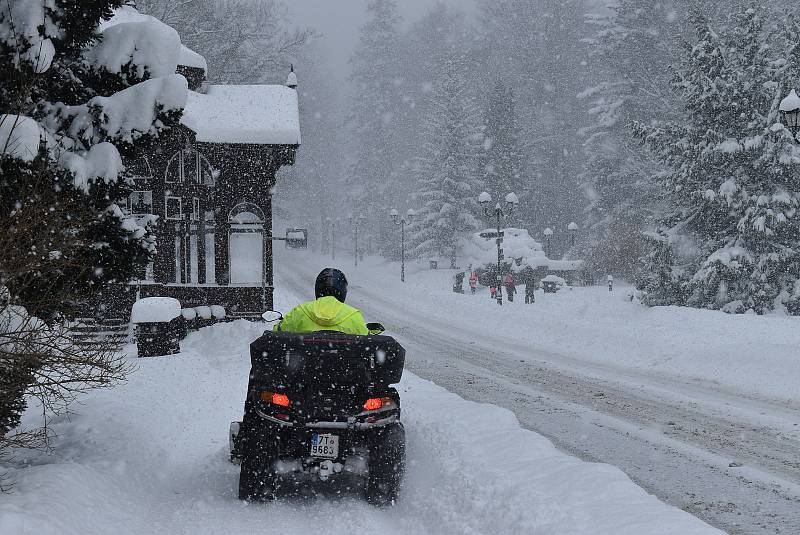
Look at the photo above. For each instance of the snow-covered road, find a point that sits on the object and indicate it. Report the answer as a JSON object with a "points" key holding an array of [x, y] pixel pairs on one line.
{"points": [[728, 455], [150, 457]]}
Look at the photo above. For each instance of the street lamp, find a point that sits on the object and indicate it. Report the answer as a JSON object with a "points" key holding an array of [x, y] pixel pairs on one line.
{"points": [[332, 226], [355, 223], [573, 230], [790, 113], [548, 233], [402, 222], [511, 203]]}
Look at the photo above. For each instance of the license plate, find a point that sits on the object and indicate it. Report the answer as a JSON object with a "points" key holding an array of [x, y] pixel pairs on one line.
{"points": [[324, 446]]}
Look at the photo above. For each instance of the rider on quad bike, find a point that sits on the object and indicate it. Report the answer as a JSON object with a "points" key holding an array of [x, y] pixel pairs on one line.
{"points": [[320, 402], [328, 312]]}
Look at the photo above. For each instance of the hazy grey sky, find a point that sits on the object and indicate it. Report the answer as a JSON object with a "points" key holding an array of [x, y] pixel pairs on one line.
{"points": [[339, 20]]}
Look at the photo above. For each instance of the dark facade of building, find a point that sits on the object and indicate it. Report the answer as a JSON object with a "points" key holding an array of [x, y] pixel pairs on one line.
{"points": [[209, 183]]}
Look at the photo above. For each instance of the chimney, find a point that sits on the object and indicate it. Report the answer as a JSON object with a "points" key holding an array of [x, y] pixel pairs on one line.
{"points": [[291, 80]]}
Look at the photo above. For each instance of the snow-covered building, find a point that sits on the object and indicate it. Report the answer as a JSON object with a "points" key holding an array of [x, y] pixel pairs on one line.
{"points": [[210, 182]]}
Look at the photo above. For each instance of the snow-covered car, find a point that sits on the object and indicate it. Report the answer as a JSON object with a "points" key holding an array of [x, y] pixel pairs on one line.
{"points": [[552, 284], [321, 406]]}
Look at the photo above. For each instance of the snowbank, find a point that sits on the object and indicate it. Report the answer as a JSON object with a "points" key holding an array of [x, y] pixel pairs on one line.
{"points": [[249, 114], [155, 310], [151, 457]]}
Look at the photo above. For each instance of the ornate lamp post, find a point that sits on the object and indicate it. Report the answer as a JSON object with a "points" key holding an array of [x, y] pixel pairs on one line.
{"points": [[548, 233], [790, 113], [402, 222], [332, 227], [573, 230], [355, 223], [511, 203]]}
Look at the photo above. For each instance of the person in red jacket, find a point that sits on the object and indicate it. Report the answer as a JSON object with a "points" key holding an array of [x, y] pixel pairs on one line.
{"points": [[473, 281], [511, 288]]}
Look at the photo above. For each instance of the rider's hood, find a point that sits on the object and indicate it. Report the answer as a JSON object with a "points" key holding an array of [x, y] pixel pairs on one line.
{"points": [[328, 311]]}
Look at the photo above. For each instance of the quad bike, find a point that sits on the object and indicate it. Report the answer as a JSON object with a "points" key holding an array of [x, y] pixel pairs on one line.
{"points": [[320, 406]]}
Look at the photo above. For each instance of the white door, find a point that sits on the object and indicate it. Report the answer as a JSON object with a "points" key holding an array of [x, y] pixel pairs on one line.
{"points": [[246, 258]]}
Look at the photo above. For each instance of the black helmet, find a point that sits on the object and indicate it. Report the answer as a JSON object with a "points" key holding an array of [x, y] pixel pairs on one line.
{"points": [[331, 282]]}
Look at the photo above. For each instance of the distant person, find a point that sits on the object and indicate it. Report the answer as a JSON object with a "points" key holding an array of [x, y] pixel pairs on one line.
{"points": [[493, 291], [458, 282], [530, 290], [328, 312], [473, 281], [511, 288]]}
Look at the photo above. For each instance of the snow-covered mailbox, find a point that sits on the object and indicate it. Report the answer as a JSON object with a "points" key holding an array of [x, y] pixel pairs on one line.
{"points": [[158, 322], [210, 183]]}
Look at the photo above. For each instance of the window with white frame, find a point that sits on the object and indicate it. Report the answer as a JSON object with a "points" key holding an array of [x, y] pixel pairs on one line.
{"points": [[140, 202], [189, 166], [173, 208]]}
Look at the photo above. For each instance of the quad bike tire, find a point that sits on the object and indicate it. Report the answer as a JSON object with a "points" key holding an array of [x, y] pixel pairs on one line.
{"points": [[386, 466]]}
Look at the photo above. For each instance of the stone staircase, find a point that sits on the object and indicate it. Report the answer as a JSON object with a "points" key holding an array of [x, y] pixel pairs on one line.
{"points": [[92, 332]]}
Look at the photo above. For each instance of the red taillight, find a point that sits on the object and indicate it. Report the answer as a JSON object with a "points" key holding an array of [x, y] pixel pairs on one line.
{"points": [[373, 404], [282, 400]]}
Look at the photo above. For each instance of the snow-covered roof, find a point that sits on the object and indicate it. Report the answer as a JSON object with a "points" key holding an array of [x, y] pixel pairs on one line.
{"points": [[791, 102], [190, 58], [248, 114], [155, 310]]}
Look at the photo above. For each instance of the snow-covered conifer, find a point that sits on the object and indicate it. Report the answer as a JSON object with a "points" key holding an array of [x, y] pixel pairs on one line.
{"points": [[732, 177], [631, 52], [75, 97], [446, 170], [502, 160]]}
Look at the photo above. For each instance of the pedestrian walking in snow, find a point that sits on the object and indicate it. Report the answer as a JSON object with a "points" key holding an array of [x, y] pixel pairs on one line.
{"points": [[511, 288], [530, 291], [473, 282], [493, 292]]}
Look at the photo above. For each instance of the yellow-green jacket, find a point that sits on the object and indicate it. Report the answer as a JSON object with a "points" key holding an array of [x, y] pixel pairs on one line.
{"points": [[325, 314]]}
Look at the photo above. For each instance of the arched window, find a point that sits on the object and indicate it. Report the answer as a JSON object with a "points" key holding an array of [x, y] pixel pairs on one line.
{"points": [[246, 213], [190, 166], [139, 168]]}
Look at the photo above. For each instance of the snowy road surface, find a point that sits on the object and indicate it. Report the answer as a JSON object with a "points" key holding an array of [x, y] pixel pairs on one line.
{"points": [[150, 457], [704, 419]]}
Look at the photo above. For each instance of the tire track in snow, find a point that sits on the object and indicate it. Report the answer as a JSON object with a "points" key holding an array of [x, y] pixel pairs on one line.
{"points": [[674, 439]]}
